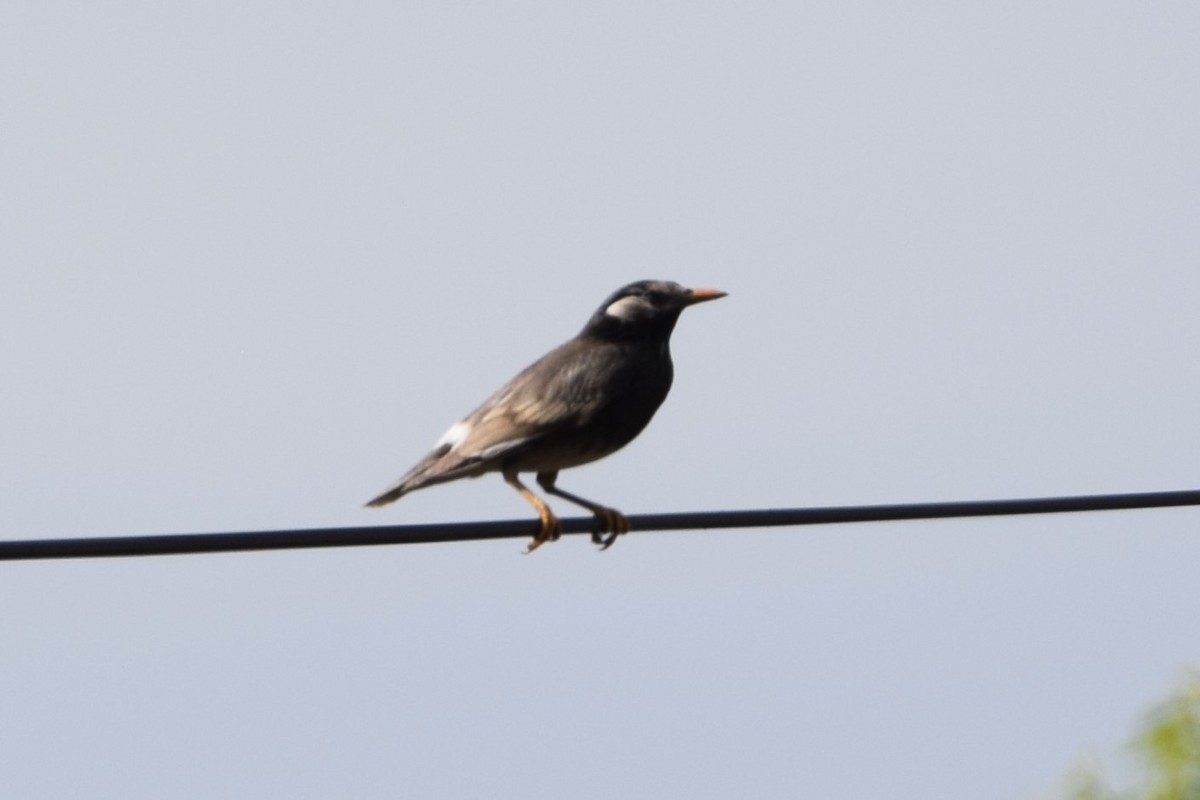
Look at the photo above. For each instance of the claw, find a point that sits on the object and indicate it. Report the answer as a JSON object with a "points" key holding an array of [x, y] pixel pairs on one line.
{"points": [[549, 531], [608, 520], [613, 523], [550, 528]]}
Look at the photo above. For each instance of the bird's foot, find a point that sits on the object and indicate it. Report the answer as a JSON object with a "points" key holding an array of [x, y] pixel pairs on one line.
{"points": [[549, 531], [612, 524]]}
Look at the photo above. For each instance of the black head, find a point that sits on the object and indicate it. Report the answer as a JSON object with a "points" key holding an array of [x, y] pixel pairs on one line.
{"points": [[645, 310]]}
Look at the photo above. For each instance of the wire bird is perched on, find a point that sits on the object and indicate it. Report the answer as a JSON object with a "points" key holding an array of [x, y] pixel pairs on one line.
{"points": [[580, 402]]}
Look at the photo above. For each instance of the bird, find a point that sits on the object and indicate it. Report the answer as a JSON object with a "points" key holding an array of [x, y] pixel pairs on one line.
{"points": [[582, 401]]}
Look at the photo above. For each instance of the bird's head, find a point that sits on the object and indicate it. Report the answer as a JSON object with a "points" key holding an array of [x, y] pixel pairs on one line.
{"points": [[646, 309]]}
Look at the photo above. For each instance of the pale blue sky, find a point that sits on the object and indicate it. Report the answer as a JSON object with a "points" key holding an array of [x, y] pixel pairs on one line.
{"points": [[256, 257]]}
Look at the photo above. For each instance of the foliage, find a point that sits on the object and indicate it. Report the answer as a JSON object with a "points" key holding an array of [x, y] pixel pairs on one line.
{"points": [[1168, 747]]}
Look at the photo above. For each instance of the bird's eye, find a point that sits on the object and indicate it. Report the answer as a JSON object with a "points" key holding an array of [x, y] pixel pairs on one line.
{"points": [[656, 298]]}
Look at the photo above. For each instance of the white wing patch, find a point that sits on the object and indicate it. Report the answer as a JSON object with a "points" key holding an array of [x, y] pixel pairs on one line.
{"points": [[630, 307], [455, 436]]}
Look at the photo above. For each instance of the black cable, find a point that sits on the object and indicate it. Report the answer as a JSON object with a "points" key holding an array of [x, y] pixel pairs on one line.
{"points": [[179, 544]]}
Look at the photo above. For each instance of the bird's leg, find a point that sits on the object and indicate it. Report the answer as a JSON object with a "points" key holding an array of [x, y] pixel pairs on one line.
{"points": [[551, 528], [612, 522]]}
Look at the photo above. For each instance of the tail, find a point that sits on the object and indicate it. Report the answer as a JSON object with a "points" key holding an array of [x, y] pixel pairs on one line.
{"points": [[409, 482], [412, 480], [429, 471], [390, 496]]}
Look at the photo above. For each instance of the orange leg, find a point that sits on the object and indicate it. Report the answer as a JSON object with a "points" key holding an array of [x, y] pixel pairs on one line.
{"points": [[551, 528], [612, 522]]}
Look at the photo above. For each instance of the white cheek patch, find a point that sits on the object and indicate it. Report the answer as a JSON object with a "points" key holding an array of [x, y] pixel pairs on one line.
{"points": [[627, 308], [453, 437]]}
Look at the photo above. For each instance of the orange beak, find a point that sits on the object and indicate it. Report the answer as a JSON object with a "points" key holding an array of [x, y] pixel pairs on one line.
{"points": [[702, 295]]}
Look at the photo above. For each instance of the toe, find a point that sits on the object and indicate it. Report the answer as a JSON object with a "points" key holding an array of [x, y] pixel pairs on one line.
{"points": [[613, 524], [550, 531]]}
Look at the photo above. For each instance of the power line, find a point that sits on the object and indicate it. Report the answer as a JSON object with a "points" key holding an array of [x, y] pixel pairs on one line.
{"points": [[180, 544]]}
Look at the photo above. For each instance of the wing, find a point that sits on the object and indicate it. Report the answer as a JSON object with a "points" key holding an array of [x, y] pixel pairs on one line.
{"points": [[559, 391]]}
